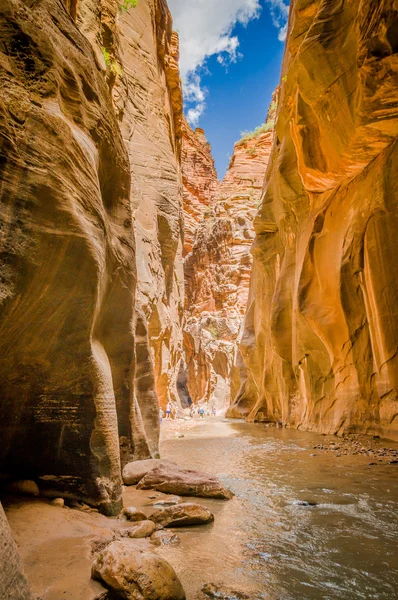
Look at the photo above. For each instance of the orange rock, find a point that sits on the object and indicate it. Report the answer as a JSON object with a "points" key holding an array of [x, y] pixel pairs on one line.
{"points": [[319, 349], [217, 269]]}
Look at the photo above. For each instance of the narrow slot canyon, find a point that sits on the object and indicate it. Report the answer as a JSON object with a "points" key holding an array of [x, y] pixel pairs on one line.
{"points": [[199, 360]]}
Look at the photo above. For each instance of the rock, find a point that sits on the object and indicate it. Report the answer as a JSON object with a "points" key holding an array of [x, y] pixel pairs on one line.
{"points": [[317, 278], [304, 503], [141, 530], [133, 472], [214, 591], [172, 479], [133, 514], [90, 230], [168, 501], [179, 435], [136, 574], [24, 486], [183, 515], [13, 583], [164, 538], [58, 502], [219, 233]]}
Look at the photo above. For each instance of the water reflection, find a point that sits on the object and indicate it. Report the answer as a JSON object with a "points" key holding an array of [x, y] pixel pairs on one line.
{"points": [[266, 544]]}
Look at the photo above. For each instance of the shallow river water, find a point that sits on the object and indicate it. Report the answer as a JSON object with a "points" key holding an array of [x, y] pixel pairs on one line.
{"points": [[264, 544]]}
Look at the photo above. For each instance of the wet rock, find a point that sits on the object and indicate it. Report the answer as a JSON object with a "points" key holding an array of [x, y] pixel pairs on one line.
{"points": [[24, 486], [58, 502], [168, 501], [164, 538], [185, 514], [304, 503], [136, 574], [141, 530], [132, 514], [134, 471], [173, 479], [214, 591]]}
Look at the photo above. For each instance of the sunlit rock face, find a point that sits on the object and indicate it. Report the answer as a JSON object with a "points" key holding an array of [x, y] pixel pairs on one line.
{"points": [[90, 103], [199, 180], [321, 336], [217, 270], [148, 99]]}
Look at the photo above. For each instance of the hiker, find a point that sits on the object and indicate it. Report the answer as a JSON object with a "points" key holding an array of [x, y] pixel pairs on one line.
{"points": [[201, 412], [168, 411], [213, 411]]}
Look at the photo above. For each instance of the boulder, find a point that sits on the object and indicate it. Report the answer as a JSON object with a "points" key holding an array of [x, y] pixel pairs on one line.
{"points": [[130, 513], [187, 513], [164, 538], [141, 530], [172, 479], [58, 502], [24, 486], [135, 574], [134, 471]]}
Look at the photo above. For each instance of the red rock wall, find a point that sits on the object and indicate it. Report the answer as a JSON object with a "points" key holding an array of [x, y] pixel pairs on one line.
{"points": [[320, 343], [217, 270]]}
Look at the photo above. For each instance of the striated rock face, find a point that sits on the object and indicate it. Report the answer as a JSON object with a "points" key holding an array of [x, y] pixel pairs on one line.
{"points": [[199, 178], [321, 337], [217, 271], [90, 105], [148, 99]]}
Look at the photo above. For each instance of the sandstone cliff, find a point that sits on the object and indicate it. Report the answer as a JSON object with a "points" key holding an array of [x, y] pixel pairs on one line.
{"points": [[199, 179], [90, 107], [321, 337], [148, 98], [217, 270]]}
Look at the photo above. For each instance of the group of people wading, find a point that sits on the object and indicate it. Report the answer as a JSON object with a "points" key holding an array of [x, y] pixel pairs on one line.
{"points": [[201, 411]]}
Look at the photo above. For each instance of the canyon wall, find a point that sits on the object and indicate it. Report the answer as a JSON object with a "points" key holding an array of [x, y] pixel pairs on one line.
{"points": [[217, 269], [91, 240], [13, 583], [319, 350]]}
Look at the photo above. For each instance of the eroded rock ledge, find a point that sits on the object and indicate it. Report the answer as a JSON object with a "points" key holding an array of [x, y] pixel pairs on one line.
{"points": [[321, 336]]}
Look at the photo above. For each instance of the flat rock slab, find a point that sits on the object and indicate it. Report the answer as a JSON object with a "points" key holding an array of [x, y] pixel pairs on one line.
{"points": [[183, 515], [134, 471], [136, 574], [172, 479], [214, 591]]}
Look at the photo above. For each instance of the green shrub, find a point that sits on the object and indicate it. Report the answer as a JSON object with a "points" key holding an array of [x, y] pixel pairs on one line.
{"points": [[112, 64], [249, 135], [126, 4]]}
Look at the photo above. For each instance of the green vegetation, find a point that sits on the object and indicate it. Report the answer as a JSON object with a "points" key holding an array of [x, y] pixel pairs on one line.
{"points": [[213, 330], [284, 78], [126, 4], [249, 135], [251, 152], [110, 62]]}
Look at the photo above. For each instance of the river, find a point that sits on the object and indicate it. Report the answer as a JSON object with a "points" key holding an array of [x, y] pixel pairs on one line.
{"points": [[264, 543]]}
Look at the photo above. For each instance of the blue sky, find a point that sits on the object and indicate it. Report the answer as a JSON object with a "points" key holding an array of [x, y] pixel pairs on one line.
{"points": [[231, 54]]}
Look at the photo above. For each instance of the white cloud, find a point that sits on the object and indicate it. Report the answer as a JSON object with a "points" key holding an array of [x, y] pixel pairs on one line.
{"points": [[205, 28]]}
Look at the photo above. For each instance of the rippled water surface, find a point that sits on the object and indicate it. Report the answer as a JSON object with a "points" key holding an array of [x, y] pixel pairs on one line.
{"points": [[264, 544]]}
